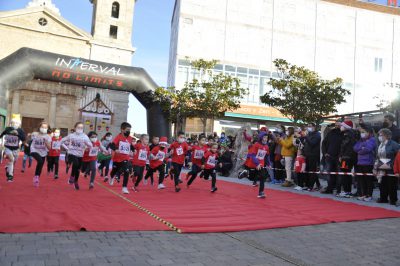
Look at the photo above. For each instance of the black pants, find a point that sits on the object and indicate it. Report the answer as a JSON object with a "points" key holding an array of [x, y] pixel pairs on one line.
{"points": [[119, 168], [105, 164], [177, 172], [89, 168], [388, 187], [312, 163], [40, 162], [138, 172], [302, 179], [193, 174], [279, 170], [345, 180], [331, 166], [76, 166], [224, 170], [213, 174], [257, 175], [52, 164], [161, 173], [365, 183]]}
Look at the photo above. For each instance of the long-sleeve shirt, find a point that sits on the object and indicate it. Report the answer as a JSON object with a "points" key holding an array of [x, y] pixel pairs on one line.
{"points": [[76, 144]]}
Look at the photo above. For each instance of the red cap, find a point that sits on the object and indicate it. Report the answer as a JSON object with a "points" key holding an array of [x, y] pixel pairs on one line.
{"points": [[164, 141], [347, 124], [264, 129]]}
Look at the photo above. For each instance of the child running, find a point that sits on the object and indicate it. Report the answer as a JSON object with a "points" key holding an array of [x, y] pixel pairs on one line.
{"points": [[54, 154], [122, 147], [157, 157], [197, 155], [178, 150], [39, 148], [155, 141], [209, 163], [89, 160], [77, 143], [105, 158], [140, 158]]}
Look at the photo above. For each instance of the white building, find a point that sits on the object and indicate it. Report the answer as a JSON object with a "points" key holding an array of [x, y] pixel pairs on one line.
{"points": [[354, 40]]}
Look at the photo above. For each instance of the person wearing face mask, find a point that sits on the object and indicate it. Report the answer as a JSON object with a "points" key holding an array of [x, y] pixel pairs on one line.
{"points": [[311, 151], [121, 148], [288, 152], [105, 158], [178, 152], [330, 152], [158, 154], [225, 163], [388, 122], [209, 163], [255, 162], [365, 149], [54, 154], [384, 166], [76, 144], [90, 158], [13, 135], [155, 141], [27, 153], [140, 157], [198, 152], [39, 149]]}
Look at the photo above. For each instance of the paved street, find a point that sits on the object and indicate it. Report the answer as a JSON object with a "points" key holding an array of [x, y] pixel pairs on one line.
{"points": [[357, 243]]}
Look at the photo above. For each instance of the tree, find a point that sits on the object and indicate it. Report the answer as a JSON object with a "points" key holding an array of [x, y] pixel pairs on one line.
{"points": [[301, 95], [208, 96]]}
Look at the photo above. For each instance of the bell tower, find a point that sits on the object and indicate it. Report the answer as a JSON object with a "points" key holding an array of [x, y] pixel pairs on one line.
{"points": [[112, 25]]}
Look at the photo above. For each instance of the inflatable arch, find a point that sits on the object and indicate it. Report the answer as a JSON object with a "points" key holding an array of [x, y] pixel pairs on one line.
{"points": [[26, 64]]}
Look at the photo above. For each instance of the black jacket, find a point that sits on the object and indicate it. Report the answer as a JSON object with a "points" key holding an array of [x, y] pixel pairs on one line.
{"points": [[332, 143], [346, 147], [312, 144]]}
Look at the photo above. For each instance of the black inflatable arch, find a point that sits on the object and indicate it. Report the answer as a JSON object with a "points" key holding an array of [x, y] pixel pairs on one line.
{"points": [[26, 64]]}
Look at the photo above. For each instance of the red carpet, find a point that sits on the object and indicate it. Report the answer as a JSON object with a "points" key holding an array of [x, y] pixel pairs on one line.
{"points": [[55, 206]]}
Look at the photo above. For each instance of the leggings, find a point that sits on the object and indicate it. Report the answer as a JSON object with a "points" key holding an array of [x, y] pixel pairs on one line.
{"points": [[257, 175], [76, 166], [89, 167], [366, 183], [12, 156], [52, 164], [138, 173], [212, 173], [40, 162], [177, 172], [119, 168], [195, 171], [105, 164], [161, 173]]}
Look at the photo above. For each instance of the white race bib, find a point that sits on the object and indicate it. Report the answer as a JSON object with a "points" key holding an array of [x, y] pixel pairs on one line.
{"points": [[39, 143], [179, 151], [142, 155], [56, 145], [261, 154], [94, 151], [211, 161], [124, 147], [297, 164], [160, 155], [12, 141], [198, 154]]}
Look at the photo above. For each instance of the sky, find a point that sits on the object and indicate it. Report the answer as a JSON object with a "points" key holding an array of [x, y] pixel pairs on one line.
{"points": [[151, 35]]}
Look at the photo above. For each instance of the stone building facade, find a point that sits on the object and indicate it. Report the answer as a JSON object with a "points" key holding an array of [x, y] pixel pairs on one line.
{"points": [[40, 26]]}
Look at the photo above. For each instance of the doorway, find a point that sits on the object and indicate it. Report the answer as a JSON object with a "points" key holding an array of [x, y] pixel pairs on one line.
{"points": [[30, 124]]}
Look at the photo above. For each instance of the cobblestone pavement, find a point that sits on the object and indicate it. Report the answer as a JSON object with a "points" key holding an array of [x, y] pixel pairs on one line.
{"points": [[373, 242]]}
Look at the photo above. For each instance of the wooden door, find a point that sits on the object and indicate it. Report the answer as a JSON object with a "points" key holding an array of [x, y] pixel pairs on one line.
{"points": [[30, 124]]}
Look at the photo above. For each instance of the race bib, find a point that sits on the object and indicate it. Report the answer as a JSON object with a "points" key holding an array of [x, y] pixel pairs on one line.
{"points": [[198, 154], [11, 140], [94, 151], [56, 145], [124, 147], [297, 164], [179, 151], [142, 155], [261, 154], [75, 145], [39, 143], [160, 155], [211, 161]]}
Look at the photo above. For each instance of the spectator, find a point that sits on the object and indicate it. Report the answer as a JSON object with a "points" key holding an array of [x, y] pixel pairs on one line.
{"points": [[312, 145], [383, 167], [365, 149], [388, 122], [330, 150], [225, 161], [288, 152]]}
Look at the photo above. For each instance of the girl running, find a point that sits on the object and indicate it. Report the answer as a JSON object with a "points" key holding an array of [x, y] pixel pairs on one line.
{"points": [[54, 154], [209, 163], [105, 158], [39, 148], [140, 158]]}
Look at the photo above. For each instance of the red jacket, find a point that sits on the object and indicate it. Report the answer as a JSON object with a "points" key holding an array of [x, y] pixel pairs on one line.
{"points": [[198, 153], [158, 157], [210, 160], [256, 155], [123, 144], [179, 152], [90, 155], [55, 147], [300, 164], [141, 155]]}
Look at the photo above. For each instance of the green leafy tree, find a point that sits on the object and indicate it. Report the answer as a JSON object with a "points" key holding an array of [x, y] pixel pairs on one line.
{"points": [[301, 95]]}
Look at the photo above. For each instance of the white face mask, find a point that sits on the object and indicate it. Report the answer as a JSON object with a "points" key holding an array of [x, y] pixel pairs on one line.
{"points": [[79, 130], [56, 134], [310, 129], [181, 140], [364, 135], [93, 139], [342, 129], [287, 133], [381, 139], [109, 138], [43, 130]]}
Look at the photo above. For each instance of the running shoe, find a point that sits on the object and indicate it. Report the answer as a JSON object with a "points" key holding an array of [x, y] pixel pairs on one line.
{"points": [[91, 185], [214, 189], [261, 195], [125, 190], [76, 185], [161, 186], [36, 181], [71, 180]]}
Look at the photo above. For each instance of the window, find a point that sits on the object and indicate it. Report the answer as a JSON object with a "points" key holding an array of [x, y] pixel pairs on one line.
{"points": [[115, 10], [113, 32], [42, 22], [378, 64]]}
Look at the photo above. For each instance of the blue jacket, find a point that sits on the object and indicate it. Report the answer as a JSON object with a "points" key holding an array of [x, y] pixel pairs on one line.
{"points": [[365, 149]]}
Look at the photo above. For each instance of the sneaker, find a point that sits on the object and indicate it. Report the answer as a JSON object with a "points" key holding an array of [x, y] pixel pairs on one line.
{"points": [[274, 181], [144, 181], [341, 194], [161, 186], [298, 188], [55, 177], [85, 175], [180, 181], [348, 195], [36, 181], [288, 184], [118, 180], [255, 184], [105, 179], [10, 178], [261, 195], [91, 185], [125, 190], [76, 186], [135, 189], [22, 170], [214, 189], [71, 180], [243, 174], [368, 199], [361, 198], [111, 181], [305, 188], [177, 189]]}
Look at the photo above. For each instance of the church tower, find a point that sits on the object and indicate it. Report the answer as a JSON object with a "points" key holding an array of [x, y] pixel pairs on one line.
{"points": [[112, 25]]}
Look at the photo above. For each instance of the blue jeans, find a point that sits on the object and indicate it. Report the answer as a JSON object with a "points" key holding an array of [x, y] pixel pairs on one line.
{"points": [[26, 156]]}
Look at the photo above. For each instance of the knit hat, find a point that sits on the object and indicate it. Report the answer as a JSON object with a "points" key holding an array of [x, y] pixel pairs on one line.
{"points": [[347, 124], [265, 129], [164, 141]]}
